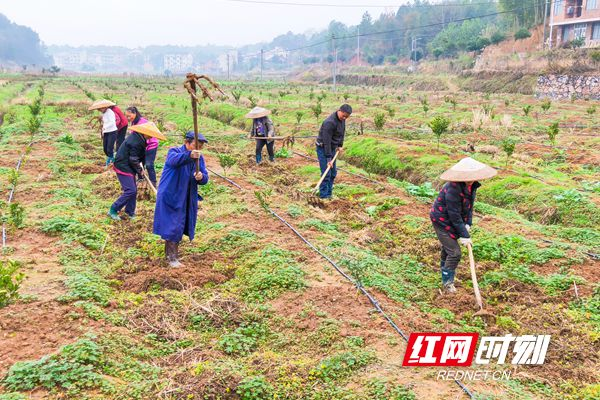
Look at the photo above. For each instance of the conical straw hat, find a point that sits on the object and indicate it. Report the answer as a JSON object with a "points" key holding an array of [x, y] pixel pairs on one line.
{"points": [[258, 112], [98, 104], [467, 170], [148, 129]]}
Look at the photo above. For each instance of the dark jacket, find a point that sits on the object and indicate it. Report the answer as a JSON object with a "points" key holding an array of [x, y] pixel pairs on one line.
{"points": [[331, 135], [453, 208], [177, 199], [131, 154]]}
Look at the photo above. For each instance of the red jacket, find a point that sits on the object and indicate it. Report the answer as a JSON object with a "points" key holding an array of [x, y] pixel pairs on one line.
{"points": [[120, 117]]}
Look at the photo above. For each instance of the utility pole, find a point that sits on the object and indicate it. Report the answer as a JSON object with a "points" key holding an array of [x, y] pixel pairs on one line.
{"points": [[334, 63], [544, 35], [358, 46], [551, 24], [262, 63]]}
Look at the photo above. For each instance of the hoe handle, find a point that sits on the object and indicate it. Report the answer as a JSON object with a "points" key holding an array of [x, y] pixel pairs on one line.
{"points": [[474, 277], [326, 171]]}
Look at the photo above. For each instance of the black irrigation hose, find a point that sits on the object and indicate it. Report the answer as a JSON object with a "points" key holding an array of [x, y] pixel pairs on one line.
{"points": [[12, 190], [224, 178], [364, 291], [343, 170]]}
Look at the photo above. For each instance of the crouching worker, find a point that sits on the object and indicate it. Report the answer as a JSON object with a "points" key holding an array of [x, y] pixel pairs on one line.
{"points": [[452, 213], [177, 199], [128, 162]]}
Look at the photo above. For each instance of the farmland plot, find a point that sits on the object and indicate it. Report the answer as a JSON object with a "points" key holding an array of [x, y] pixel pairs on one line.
{"points": [[255, 313]]}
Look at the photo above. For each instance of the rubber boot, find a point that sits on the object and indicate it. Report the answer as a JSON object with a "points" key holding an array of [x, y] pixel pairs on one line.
{"points": [[448, 278], [171, 249], [112, 213]]}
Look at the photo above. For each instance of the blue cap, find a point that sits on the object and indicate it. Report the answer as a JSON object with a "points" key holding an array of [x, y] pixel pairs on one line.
{"points": [[190, 136]]}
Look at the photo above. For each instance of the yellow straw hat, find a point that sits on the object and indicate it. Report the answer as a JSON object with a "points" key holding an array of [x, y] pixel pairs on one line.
{"points": [[258, 112], [467, 170], [102, 103], [148, 129]]}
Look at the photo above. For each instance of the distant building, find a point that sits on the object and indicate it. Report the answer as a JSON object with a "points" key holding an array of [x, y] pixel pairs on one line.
{"points": [[277, 53], [231, 57], [573, 19], [70, 61], [178, 62]]}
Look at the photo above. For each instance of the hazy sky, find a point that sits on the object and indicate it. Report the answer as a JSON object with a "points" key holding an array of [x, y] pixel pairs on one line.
{"points": [[135, 23]]}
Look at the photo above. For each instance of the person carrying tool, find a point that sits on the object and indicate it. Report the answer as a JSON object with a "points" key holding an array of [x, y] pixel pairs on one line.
{"points": [[330, 141], [262, 128], [452, 213], [109, 127], [177, 199], [135, 117], [128, 162]]}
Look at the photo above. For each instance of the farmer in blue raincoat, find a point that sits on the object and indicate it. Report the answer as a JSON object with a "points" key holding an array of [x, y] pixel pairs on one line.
{"points": [[177, 199]]}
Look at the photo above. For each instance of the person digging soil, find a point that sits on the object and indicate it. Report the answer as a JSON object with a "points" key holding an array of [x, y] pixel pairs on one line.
{"points": [[452, 213], [262, 128], [177, 199], [136, 118], [329, 142], [128, 162]]}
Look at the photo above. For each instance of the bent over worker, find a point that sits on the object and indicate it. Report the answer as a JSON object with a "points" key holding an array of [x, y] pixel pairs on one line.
{"points": [[177, 199], [452, 213], [329, 141]]}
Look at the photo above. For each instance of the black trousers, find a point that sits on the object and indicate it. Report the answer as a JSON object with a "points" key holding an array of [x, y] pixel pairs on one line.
{"points": [[108, 143], [260, 143], [121, 137]]}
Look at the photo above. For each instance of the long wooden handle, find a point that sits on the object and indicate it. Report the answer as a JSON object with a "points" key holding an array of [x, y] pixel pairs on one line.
{"points": [[149, 183], [474, 277], [326, 171]]}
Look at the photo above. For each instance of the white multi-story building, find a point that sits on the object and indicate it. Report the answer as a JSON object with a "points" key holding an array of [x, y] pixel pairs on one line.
{"points": [[178, 62]]}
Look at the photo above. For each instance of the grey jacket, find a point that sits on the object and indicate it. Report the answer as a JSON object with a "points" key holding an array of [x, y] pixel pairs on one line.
{"points": [[269, 126]]}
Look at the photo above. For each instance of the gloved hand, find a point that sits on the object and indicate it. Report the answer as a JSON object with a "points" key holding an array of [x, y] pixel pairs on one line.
{"points": [[199, 176], [195, 154], [465, 241], [468, 227]]}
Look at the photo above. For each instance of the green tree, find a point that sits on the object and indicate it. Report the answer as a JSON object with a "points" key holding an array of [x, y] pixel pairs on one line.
{"points": [[439, 125]]}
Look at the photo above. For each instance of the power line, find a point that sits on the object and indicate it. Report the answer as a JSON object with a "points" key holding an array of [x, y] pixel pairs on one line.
{"points": [[286, 3], [396, 30], [413, 29]]}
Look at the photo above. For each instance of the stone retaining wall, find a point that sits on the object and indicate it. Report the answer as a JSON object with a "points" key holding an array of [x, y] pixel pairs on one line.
{"points": [[565, 87]]}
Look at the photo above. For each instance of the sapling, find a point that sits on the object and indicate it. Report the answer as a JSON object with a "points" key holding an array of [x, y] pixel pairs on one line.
{"points": [[508, 145], [226, 161], [439, 125], [553, 132]]}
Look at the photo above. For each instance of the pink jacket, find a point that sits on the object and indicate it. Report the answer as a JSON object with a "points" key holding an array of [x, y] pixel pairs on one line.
{"points": [[151, 143]]}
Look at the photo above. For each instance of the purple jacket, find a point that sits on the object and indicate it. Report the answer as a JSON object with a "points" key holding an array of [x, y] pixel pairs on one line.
{"points": [[151, 143]]}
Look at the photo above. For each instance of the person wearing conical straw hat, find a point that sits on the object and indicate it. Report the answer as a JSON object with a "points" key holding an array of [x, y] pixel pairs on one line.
{"points": [[452, 213], [262, 128], [128, 162], [176, 209], [109, 127]]}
